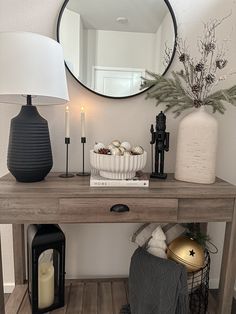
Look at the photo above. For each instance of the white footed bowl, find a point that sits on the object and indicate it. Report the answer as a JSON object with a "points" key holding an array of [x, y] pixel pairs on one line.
{"points": [[117, 167]]}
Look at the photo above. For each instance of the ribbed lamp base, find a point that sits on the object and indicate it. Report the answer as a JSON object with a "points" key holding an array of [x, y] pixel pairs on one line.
{"points": [[29, 151]]}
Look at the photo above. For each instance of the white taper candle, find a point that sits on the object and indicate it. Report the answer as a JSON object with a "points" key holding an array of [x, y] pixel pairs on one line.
{"points": [[82, 116], [67, 122]]}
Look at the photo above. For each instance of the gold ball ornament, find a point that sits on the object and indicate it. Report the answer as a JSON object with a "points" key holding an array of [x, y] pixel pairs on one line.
{"points": [[188, 252]]}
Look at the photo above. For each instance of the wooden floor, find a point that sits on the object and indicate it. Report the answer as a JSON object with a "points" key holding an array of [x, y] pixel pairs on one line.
{"points": [[104, 296], [82, 297], [215, 293]]}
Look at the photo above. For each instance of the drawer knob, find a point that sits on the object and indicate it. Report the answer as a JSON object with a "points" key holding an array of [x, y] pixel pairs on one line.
{"points": [[119, 208]]}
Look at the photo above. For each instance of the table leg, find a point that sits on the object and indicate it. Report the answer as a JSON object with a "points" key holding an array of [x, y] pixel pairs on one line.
{"points": [[2, 306], [228, 267], [19, 253], [203, 227]]}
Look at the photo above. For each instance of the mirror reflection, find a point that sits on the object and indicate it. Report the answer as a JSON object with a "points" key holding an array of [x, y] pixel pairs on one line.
{"points": [[108, 44]]}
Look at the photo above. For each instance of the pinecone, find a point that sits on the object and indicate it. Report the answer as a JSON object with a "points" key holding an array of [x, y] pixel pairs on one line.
{"points": [[210, 78], [221, 63], [199, 67], [210, 47], [197, 103], [104, 151], [196, 88], [183, 57]]}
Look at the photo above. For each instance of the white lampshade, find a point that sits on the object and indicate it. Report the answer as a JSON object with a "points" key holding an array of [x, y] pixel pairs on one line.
{"points": [[31, 64]]}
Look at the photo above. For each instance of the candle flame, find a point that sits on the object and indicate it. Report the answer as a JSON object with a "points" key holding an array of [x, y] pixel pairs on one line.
{"points": [[82, 109], [67, 108]]}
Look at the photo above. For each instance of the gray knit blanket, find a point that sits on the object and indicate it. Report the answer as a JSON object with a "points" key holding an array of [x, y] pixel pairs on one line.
{"points": [[156, 286]]}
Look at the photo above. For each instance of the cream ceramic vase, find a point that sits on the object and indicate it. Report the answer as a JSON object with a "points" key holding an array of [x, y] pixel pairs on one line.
{"points": [[196, 147]]}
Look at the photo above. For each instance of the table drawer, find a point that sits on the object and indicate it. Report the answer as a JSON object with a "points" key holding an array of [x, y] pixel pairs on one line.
{"points": [[134, 210]]}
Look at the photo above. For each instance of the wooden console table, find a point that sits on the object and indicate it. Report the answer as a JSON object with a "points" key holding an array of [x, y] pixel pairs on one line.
{"points": [[57, 200]]}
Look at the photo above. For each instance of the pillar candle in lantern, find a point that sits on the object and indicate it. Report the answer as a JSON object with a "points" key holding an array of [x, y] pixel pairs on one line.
{"points": [[82, 117], [67, 122], [45, 285]]}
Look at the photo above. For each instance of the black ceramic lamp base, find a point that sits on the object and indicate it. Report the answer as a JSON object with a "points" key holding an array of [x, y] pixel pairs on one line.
{"points": [[29, 151]]}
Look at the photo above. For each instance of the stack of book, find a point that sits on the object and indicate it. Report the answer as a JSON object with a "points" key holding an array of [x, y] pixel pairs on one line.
{"points": [[141, 180]]}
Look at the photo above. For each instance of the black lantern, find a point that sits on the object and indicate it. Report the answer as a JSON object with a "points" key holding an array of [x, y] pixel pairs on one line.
{"points": [[46, 267]]}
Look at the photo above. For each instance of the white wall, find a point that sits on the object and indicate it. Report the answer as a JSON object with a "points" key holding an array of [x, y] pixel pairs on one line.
{"points": [[165, 40], [81, 50], [6, 230], [117, 49], [86, 48], [90, 50], [104, 249], [125, 49], [70, 39]]}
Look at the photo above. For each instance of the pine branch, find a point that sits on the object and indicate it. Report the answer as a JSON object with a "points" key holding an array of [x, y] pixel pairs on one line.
{"points": [[195, 233], [216, 99], [170, 91], [192, 86]]}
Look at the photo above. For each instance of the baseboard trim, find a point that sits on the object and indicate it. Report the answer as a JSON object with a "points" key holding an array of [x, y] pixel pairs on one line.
{"points": [[8, 287], [214, 284]]}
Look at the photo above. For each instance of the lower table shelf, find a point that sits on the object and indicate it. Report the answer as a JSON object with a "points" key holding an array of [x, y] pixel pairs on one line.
{"points": [[98, 296], [105, 296]]}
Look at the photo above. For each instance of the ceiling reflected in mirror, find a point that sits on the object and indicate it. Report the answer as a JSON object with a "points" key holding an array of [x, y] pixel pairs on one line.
{"points": [[108, 44]]}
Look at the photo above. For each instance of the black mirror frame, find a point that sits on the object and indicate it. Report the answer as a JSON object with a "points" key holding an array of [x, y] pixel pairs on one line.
{"points": [[133, 95]]}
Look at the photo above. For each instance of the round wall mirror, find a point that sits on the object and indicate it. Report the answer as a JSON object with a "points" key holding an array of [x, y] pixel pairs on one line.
{"points": [[108, 44]]}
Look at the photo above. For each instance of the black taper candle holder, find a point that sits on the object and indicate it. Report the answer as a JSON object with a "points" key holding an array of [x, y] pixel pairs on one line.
{"points": [[83, 174], [67, 174]]}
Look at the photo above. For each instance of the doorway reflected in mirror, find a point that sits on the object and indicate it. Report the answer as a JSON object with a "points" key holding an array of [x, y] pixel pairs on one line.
{"points": [[109, 44]]}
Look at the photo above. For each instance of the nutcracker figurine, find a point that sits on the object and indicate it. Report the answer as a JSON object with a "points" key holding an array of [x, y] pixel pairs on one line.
{"points": [[161, 139]]}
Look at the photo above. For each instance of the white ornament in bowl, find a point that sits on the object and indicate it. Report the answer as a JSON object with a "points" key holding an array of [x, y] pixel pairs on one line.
{"points": [[137, 150], [98, 146], [122, 150], [118, 167], [110, 146], [126, 153], [115, 151], [116, 143], [127, 146]]}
